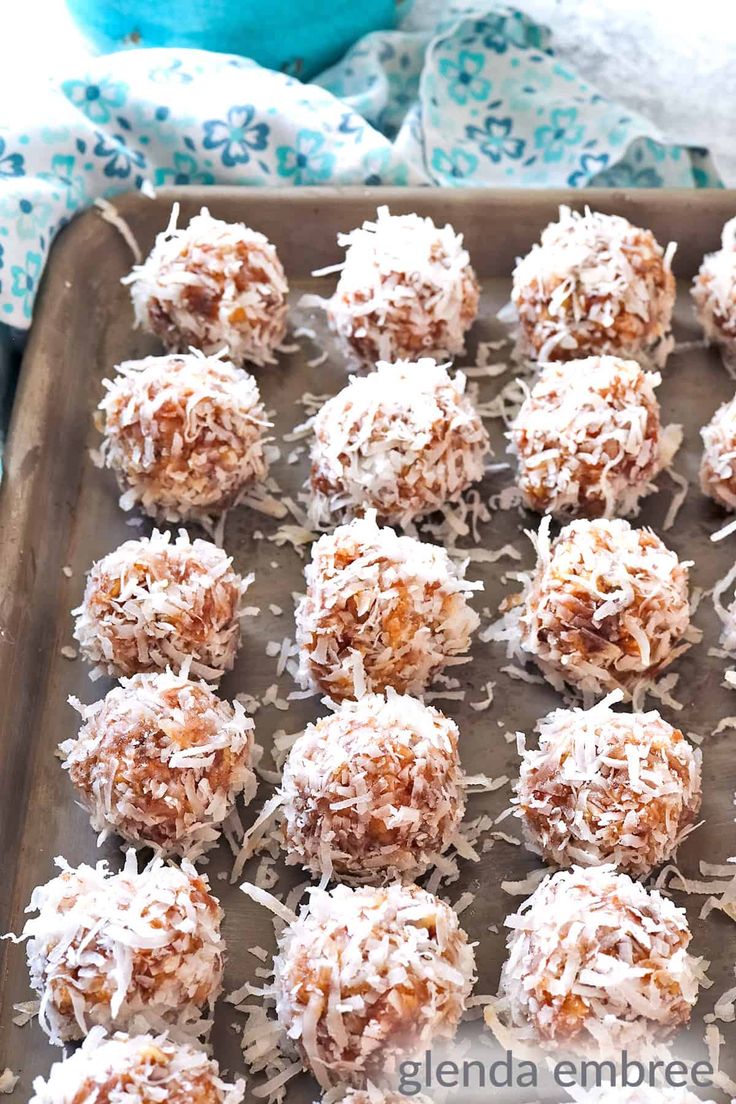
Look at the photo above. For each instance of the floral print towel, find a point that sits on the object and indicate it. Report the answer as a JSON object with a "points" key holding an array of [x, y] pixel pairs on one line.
{"points": [[482, 101]]}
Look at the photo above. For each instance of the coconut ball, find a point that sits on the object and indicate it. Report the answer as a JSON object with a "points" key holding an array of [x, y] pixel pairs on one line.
{"points": [[593, 285], [374, 791], [588, 439], [380, 610], [213, 285], [155, 603], [365, 977], [406, 288], [714, 292], [184, 434], [138, 1069], [607, 787], [404, 440], [718, 465], [597, 964], [130, 951], [161, 760], [606, 607]]}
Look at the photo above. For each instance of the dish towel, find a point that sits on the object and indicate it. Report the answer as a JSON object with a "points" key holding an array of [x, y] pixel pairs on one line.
{"points": [[483, 100]]}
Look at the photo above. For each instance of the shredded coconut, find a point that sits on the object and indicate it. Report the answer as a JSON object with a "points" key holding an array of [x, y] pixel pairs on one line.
{"points": [[596, 963], [373, 792], [134, 951], [135, 1069], [404, 439], [594, 285], [155, 602], [380, 610], [185, 435], [161, 760], [211, 285], [604, 787], [406, 288]]}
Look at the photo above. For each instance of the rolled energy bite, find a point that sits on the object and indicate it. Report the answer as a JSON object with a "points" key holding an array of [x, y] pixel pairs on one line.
{"points": [[608, 787], [212, 285], [185, 435], [161, 761], [134, 951], [594, 285], [606, 607], [155, 602], [404, 440], [714, 293], [365, 977], [374, 791], [380, 610], [598, 964], [718, 464], [406, 289], [588, 439], [135, 1069]]}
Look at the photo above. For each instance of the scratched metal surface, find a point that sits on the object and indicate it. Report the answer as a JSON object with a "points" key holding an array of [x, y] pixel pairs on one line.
{"points": [[56, 508]]}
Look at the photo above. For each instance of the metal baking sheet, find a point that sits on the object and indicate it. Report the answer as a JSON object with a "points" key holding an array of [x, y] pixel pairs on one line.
{"points": [[57, 509]]}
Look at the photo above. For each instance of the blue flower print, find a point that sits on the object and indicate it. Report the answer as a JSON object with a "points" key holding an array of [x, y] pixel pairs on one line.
{"points": [[464, 77], [495, 139], [456, 165], [184, 170], [562, 131], [626, 175], [238, 135], [11, 164], [25, 280], [99, 101], [120, 159], [379, 168], [590, 163], [306, 161], [27, 218]]}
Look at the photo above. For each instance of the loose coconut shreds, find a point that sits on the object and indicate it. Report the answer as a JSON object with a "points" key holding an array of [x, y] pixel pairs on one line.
{"points": [[588, 439], [607, 787], [134, 951], [406, 288], [367, 976], [154, 603], [161, 761], [185, 435], [605, 608], [373, 792], [594, 285], [726, 614], [718, 464], [212, 284], [8, 1081], [597, 964], [136, 1069], [404, 440], [380, 610], [714, 293]]}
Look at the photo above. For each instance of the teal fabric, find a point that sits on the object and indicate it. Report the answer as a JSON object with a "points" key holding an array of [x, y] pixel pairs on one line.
{"points": [[300, 37], [481, 101]]}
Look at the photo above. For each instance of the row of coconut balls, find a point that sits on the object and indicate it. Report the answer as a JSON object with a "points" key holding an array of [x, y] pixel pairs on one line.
{"points": [[362, 978], [178, 752], [187, 436], [594, 285], [590, 891]]}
